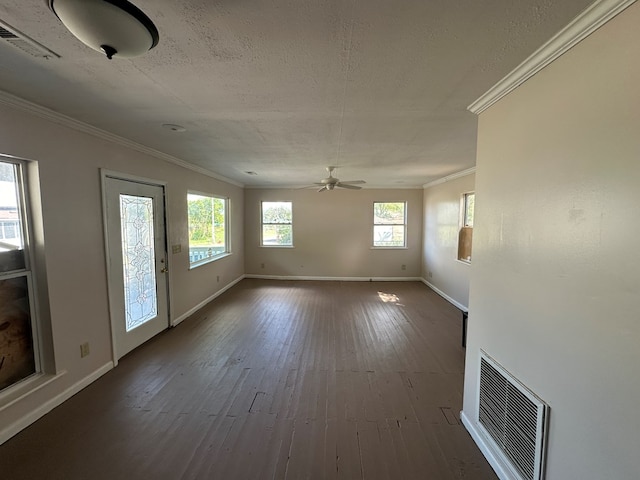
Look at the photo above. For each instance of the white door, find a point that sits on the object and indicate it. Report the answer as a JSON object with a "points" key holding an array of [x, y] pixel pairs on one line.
{"points": [[136, 246]]}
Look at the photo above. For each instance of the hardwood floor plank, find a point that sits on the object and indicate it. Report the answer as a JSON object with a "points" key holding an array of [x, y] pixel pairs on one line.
{"points": [[273, 380]]}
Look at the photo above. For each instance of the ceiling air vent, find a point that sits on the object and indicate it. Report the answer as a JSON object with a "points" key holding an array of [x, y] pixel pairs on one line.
{"points": [[513, 419], [20, 40]]}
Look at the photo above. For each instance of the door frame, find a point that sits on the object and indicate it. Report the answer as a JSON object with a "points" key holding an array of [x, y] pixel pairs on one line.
{"points": [[104, 174]]}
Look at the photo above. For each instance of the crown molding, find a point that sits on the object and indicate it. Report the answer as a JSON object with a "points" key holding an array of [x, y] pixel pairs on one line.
{"points": [[596, 15], [312, 187], [453, 176], [69, 122]]}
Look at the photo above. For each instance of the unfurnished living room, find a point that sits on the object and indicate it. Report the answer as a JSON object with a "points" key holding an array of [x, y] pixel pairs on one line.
{"points": [[342, 239]]}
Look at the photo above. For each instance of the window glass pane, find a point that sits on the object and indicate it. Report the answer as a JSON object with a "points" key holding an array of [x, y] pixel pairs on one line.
{"points": [[207, 227], [469, 204], [388, 213], [388, 235], [16, 339], [138, 260], [11, 237], [276, 212], [277, 235]]}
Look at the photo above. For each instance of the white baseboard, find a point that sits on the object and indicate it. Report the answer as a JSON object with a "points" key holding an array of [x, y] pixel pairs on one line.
{"points": [[462, 307], [334, 279], [502, 470], [52, 403], [193, 310]]}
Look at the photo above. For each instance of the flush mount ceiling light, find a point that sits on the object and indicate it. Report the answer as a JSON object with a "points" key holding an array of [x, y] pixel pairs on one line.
{"points": [[114, 27]]}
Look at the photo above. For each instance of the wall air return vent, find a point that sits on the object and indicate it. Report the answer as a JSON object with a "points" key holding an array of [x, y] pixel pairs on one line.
{"points": [[28, 45], [513, 419]]}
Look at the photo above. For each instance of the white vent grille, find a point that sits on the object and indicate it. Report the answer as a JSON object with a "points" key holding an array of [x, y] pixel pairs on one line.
{"points": [[514, 419], [20, 40]]}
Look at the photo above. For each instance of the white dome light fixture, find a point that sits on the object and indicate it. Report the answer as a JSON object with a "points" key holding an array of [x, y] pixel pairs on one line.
{"points": [[116, 28]]}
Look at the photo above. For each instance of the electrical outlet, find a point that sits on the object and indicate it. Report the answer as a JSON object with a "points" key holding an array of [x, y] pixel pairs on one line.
{"points": [[217, 278], [430, 274], [404, 267], [262, 265], [84, 349]]}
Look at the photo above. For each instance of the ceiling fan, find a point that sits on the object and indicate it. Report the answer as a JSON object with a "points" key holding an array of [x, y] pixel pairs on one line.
{"points": [[332, 182]]}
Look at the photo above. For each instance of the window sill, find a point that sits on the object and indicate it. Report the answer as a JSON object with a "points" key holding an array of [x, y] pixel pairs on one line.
{"points": [[27, 387], [461, 260], [389, 248], [277, 246], [204, 261]]}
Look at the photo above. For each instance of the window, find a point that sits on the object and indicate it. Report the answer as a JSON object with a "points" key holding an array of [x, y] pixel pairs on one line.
{"points": [[465, 236], [18, 333], [208, 228], [389, 224], [277, 224], [468, 200]]}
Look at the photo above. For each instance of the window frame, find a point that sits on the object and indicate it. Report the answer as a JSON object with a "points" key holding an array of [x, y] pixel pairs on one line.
{"points": [[465, 232], [263, 223], [227, 245], [404, 226], [465, 208], [27, 271]]}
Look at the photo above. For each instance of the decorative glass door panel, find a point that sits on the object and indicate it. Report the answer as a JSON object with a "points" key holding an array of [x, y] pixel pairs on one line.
{"points": [[138, 260], [136, 255]]}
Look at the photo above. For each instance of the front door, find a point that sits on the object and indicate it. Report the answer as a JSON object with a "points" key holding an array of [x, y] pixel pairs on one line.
{"points": [[136, 246]]}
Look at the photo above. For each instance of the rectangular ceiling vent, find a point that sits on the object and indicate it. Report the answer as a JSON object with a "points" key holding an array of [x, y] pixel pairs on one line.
{"points": [[23, 42], [513, 419]]}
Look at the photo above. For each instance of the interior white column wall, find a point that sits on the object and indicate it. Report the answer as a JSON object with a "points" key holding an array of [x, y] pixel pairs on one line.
{"points": [[555, 281]]}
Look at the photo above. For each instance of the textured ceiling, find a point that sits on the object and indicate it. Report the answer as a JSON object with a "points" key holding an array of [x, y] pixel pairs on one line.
{"points": [[285, 88]]}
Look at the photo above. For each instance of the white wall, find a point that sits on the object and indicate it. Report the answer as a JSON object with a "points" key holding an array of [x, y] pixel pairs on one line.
{"points": [[555, 280], [333, 235], [69, 164], [441, 268]]}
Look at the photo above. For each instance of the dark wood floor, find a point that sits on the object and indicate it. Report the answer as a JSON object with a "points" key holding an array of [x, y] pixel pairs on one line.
{"points": [[273, 380]]}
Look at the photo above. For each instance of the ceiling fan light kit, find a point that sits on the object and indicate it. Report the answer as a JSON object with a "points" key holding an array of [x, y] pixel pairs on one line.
{"points": [[116, 28], [332, 182]]}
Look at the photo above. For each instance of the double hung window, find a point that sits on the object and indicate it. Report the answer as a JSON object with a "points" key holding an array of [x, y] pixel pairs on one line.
{"points": [[277, 224], [465, 236], [389, 224], [19, 354], [208, 227]]}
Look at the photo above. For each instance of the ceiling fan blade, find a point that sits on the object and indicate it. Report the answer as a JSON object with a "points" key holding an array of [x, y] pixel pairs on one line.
{"points": [[323, 189], [346, 185], [353, 182]]}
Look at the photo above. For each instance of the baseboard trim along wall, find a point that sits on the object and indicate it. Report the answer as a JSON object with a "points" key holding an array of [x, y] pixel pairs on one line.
{"points": [[335, 279], [193, 310], [52, 403], [498, 466], [462, 307]]}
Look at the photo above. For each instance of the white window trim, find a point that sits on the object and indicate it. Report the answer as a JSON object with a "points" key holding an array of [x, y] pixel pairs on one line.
{"points": [[406, 228], [25, 215], [227, 238], [463, 208], [461, 223], [262, 224]]}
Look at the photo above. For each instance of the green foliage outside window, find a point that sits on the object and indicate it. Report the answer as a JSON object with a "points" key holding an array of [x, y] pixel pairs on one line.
{"points": [[277, 224], [389, 221], [207, 226]]}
